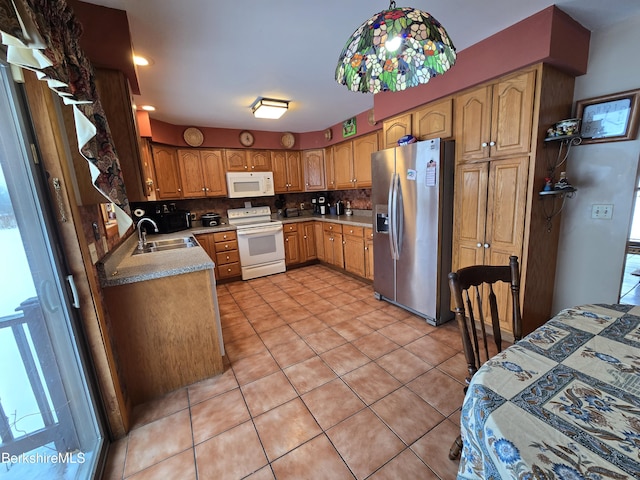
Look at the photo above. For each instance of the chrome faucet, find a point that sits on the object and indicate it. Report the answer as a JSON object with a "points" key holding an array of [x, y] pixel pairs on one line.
{"points": [[142, 234]]}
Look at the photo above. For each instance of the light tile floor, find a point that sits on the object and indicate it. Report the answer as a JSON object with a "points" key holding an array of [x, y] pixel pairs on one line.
{"points": [[322, 381]]}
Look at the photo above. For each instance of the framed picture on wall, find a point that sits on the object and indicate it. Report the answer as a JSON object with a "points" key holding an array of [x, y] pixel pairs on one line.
{"points": [[349, 127], [609, 118]]}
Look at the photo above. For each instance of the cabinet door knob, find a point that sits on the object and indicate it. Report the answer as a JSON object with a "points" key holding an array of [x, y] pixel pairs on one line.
{"points": [[486, 245], [252, 167], [484, 144], [228, 258], [492, 144], [286, 239], [226, 246], [204, 189], [179, 189], [245, 167], [479, 245]]}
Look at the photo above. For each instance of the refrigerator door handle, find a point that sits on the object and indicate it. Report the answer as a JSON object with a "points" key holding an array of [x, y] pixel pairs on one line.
{"points": [[393, 213], [399, 215], [390, 214]]}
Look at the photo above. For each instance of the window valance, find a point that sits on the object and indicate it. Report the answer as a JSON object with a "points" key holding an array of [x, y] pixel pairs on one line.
{"points": [[43, 36]]}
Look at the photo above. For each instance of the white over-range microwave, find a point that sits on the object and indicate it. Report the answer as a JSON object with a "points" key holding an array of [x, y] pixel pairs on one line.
{"points": [[249, 184]]}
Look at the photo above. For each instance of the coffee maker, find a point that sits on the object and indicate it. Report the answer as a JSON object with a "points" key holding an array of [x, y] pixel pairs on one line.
{"points": [[323, 204]]}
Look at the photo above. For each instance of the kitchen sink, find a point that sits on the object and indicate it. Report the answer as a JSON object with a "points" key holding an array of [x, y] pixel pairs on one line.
{"points": [[169, 244]]}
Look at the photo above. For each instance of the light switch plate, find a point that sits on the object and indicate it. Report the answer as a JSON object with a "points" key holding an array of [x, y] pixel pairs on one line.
{"points": [[93, 252], [602, 211]]}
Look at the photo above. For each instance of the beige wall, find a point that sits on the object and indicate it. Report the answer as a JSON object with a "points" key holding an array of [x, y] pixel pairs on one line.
{"points": [[591, 252]]}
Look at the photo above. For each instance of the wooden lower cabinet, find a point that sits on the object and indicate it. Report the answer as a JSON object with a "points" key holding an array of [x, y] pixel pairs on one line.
{"points": [[227, 255], [308, 241], [292, 253], [333, 251], [319, 234], [354, 250], [165, 333], [222, 247], [490, 216], [368, 253]]}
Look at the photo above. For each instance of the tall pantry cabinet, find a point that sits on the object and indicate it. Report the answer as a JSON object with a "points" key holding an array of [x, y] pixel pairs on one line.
{"points": [[501, 163]]}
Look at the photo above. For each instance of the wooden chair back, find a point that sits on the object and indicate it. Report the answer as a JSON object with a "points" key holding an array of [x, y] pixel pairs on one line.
{"points": [[467, 286]]}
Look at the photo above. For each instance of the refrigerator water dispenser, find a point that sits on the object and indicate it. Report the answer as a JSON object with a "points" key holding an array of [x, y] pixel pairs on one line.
{"points": [[382, 219]]}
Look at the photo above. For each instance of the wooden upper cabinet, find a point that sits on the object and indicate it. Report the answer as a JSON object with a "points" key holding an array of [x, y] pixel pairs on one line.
{"points": [[330, 171], [314, 174], [512, 114], [395, 128], [294, 167], [287, 171], [247, 160], [350, 163], [259, 161], [167, 172], [342, 154], [202, 173], [473, 123], [280, 173], [363, 147], [495, 120], [191, 173], [215, 181], [113, 89], [434, 120], [236, 160]]}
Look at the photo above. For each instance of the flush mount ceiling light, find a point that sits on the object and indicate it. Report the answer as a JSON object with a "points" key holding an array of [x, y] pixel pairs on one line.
{"points": [[148, 108], [394, 50], [269, 108]]}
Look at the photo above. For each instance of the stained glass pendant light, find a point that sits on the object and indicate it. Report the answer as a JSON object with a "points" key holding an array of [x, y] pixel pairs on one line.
{"points": [[395, 49]]}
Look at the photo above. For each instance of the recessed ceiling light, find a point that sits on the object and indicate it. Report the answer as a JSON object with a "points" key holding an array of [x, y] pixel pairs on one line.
{"points": [[148, 108], [140, 61]]}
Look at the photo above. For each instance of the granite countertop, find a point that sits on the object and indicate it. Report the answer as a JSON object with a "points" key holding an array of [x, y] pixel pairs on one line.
{"points": [[360, 218], [120, 267]]}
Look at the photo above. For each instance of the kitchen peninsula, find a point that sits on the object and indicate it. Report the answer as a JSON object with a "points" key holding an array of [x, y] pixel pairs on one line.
{"points": [[163, 317]]}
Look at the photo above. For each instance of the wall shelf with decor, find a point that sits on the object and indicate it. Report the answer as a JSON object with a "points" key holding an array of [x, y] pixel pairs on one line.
{"points": [[563, 135]]}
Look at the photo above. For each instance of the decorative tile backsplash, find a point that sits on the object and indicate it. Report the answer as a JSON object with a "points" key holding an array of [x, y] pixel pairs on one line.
{"points": [[360, 200]]}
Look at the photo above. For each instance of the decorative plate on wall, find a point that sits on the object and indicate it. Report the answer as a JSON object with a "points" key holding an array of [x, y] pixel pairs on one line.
{"points": [[288, 140], [328, 134], [193, 137]]}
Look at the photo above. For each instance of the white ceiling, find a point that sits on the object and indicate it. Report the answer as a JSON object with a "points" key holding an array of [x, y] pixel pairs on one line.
{"points": [[211, 60]]}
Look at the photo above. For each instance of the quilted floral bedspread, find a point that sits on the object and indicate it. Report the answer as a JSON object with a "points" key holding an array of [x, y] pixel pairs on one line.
{"points": [[563, 403]]}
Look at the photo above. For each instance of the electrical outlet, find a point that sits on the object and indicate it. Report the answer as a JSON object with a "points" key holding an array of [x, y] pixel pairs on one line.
{"points": [[602, 212]]}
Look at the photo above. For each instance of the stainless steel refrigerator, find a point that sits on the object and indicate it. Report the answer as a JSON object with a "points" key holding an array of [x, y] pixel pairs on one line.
{"points": [[412, 197]]}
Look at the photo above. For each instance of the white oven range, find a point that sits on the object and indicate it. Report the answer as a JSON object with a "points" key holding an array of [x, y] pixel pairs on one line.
{"points": [[260, 241]]}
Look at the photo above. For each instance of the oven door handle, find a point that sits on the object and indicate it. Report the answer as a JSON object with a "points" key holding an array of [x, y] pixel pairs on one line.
{"points": [[258, 231]]}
